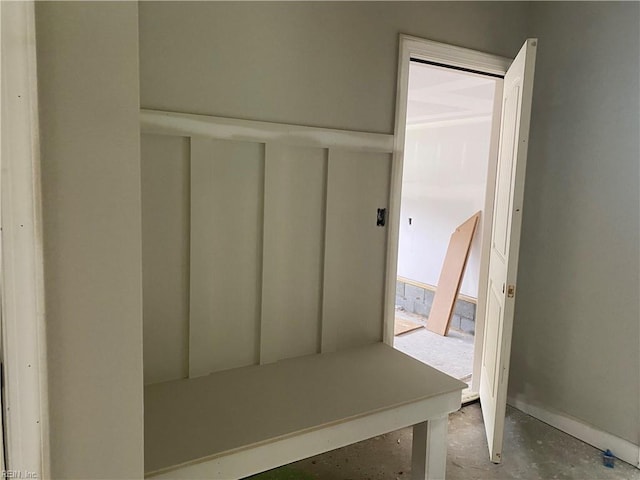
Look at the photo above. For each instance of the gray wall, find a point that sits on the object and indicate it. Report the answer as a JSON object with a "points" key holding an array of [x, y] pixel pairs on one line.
{"points": [[320, 64], [88, 89], [325, 64], [576, 332], [333, 65]]}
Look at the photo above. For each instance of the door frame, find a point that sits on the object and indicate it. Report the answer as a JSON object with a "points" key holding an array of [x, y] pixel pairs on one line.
{"points": [[464, 59], [25, 392]]}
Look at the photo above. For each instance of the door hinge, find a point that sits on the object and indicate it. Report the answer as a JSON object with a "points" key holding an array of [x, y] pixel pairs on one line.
{"points": [[511, 291]]}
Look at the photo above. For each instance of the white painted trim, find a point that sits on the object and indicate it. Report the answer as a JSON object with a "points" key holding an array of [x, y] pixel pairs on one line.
{"points": [[185, 124], [602, 440], [328, 326], [395, 188], [431, 51], [413, 47], [3, 466], [23, 325]]}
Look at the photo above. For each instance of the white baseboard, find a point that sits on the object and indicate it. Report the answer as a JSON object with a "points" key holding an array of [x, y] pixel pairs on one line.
{"points": [[622, 449]]}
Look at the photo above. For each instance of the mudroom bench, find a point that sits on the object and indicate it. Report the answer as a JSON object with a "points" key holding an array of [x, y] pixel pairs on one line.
{"points": [[235, 423]]}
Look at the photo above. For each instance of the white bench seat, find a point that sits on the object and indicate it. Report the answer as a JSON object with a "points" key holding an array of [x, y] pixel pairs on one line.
{"points": [[238, 422]]}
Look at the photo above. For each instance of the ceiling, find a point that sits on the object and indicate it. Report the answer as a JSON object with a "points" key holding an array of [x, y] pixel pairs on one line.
{"points": [[439, 94]]}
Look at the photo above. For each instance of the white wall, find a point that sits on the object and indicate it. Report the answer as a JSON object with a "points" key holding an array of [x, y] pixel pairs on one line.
{"points": [[576, 335], [88, 90], [443, 184]]}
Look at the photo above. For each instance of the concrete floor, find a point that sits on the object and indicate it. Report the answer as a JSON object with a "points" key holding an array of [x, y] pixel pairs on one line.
{"points": [[452, 354], [532, 451]]}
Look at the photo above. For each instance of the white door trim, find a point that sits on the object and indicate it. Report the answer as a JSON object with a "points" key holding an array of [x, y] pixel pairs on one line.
{"points": [[23, 326], [418, 48]]}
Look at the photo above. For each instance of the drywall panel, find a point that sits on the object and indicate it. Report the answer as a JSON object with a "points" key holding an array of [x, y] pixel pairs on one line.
{"points": [[165, 173], [443, 183], [303, 63], [90, 143], [357, 186], [576, 332], [294, 204], [227, 188]]}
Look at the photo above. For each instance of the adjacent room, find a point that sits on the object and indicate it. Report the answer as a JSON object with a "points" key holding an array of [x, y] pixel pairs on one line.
{"points": [[444, 183]]}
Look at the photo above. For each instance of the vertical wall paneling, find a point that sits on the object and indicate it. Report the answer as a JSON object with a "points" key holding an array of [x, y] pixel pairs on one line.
{"points": [[294, 204], [227, 182], [165, 256], [354, 273], [275, 241]]}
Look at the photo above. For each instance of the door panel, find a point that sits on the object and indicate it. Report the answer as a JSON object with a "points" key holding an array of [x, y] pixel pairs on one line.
{"points": [[504, 183], [494, 310], [505, 244]]}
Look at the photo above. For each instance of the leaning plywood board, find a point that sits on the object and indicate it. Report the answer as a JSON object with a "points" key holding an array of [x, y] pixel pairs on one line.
{"points": [[402, 326], [450, 280]]}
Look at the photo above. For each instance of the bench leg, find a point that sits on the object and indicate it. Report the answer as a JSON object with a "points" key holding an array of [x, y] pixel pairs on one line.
{"points": [[429, 452]]}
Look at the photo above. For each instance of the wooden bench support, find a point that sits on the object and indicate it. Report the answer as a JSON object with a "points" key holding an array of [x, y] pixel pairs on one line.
{"points": [[429, 450]]}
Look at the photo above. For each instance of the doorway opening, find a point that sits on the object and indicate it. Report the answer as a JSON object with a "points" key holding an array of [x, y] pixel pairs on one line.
{"points": [[448, 142]]}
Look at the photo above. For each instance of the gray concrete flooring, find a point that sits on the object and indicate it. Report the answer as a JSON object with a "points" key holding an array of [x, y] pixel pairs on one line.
{"points": [[532, 451], [452, 354]]}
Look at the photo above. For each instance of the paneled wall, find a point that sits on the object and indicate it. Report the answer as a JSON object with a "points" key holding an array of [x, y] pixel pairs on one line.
{"points": [[165, 167], [227, 180], [260, 242], [293, 262]]}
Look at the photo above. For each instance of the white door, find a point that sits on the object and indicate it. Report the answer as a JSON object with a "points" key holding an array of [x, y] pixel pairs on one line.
{"points": [[505, 243]]}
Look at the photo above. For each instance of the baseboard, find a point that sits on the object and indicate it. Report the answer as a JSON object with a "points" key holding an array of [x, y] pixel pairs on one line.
{"points": [[622, 449]]}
